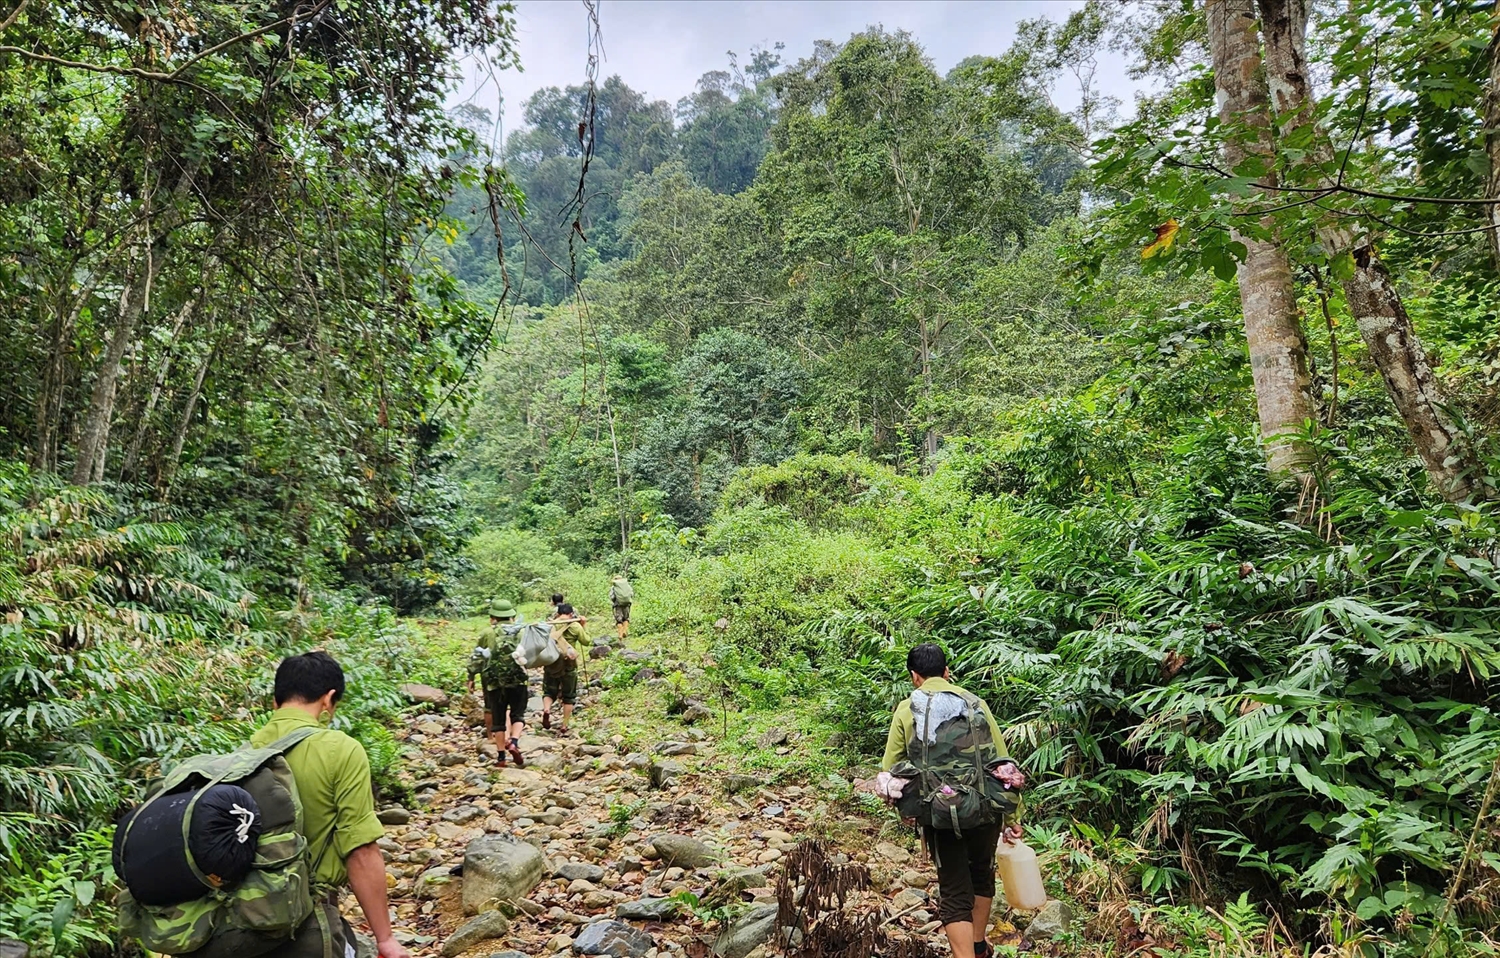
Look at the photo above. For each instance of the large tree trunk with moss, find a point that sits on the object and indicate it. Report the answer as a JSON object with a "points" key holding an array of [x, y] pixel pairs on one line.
{"points": [[1452, 464], [1273, 330]]}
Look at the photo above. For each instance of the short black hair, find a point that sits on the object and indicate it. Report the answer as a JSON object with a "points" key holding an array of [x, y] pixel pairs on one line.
{"points": [[927, 660], [307, 678], [557, 598], [564, 609]]}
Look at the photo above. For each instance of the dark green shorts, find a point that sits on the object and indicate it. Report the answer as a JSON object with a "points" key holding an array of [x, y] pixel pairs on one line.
{"points": [[561, 686], [309, 941]]}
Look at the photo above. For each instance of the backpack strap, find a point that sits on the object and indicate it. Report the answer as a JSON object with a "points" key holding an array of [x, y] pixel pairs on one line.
{"points": [[292, 739]]}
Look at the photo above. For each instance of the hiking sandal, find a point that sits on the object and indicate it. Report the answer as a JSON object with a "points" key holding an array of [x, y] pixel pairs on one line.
{"points": [[515, 754], [547, 720]]}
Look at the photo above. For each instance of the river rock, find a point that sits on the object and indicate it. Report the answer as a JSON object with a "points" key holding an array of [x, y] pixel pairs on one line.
{"points": [[696, 713], [395, 815], [750, 932], [510, 954], [1052, 919], [430, 883], [498, 868], [734, 784], [613, 938], [463, 814], [664, 774], [683, 852], [649, 909], [425, 694], [452, 759], [10, 948], [573, 871], [483, 927], [772, 737]]}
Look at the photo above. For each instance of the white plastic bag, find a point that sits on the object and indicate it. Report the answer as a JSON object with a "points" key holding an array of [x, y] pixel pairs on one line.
{"points": [[534, 647]]}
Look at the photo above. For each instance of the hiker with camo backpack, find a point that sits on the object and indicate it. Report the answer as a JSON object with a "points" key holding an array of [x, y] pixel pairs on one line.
{"points": [[560, 679], [947, 769], [504, 682], [245, 854]]}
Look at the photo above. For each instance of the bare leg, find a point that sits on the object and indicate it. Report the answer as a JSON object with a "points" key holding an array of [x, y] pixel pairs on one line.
{"points": [[567, 715], [546, 712], [961, 937], [981, 919]]}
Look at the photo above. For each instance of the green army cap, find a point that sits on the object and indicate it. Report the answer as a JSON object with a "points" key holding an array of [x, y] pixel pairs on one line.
{"points": [[501, 609]]}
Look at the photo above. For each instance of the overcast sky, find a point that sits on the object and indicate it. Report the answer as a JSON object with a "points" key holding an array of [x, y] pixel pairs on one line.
{"points": [[661, 47]]}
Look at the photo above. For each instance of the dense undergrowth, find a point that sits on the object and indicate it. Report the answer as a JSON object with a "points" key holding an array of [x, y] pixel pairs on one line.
{"points": [[1223, 708], [126, 644]]}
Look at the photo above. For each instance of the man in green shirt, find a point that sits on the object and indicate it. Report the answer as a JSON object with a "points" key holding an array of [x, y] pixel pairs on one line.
{"points": [[338, 810], [965, 861], [506, 691], [560, 679]]}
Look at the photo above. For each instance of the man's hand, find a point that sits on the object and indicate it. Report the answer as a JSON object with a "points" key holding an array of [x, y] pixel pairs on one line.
{"points": [[1011, 834], [1010, 774], [471, 685], [391, 948]]}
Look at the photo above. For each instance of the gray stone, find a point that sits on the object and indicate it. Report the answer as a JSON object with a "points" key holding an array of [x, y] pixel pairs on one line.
{"points": [[483, 927], [683, 852], [647, 675], [395, 815], [772, 737], [637, 760], [599, 652], [734, 784], [1052, 919], [750, 932], [613, 938], [665, 773], [773, 811], [696, 713], [364, 945], [677, 748], [452, 759], [430, 883], [510, 954], [425, 694], [721, 624], [498, 868], [572, 871], [463, 814], [649, 909]]}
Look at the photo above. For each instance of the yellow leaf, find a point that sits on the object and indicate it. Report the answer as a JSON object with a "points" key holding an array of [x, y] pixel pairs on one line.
{"points": [[1166, 235]]}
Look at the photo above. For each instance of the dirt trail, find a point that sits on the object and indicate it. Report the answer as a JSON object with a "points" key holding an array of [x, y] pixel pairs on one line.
{"points": [[593, 803]]}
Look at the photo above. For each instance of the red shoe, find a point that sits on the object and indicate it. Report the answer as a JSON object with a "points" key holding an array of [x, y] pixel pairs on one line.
{"points": [[546, 720], [500, 760], [515, 754]]}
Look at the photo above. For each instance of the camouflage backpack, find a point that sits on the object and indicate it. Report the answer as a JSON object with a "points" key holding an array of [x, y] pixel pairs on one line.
{"points": [[264, 908], [950, 759]]}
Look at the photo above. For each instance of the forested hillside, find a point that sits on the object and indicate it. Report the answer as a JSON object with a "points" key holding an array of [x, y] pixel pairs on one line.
{"points": [[1173, 421]]}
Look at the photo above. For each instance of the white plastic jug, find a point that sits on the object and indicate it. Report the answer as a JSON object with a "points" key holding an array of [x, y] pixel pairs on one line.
{"points": [[1019, 874]]}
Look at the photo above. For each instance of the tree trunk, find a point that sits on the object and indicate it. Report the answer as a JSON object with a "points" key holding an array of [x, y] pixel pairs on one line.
{"points": [[1492, 148], [143, 422], [1273, 331], [49, 402], [930, 439], [168, 471], [92, 444], [1452, 464]]}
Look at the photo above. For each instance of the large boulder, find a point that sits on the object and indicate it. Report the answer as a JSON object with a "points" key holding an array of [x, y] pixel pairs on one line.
{"points": [[425, 694], [498, 868], [613, 938], [754, 929], [10, 948], [683, 852], [483, 927]]}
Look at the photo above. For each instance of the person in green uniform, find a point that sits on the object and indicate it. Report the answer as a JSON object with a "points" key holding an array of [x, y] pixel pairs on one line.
{"points": [[560, 679], [338, 810], [965, 861], [506, 692]]}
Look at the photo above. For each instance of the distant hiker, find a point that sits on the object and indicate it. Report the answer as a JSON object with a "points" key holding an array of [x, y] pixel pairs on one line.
{"points": [[332, 774], [560, 679], [557, 603], [276, 827], [504, 682], [958, 786], [620, 596]]}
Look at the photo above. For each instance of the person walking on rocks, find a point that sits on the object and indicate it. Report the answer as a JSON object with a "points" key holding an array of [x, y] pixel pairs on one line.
{"points": [[620, 596], [954, 778], [560, 679], [504, 683], [332, 774]]}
